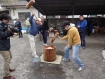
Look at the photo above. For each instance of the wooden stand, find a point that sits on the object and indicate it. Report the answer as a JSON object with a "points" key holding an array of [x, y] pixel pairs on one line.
{"points": [[49, 53]]}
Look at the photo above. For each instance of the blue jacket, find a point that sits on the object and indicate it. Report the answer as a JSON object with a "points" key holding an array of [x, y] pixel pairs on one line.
{"points": [[34, 28], [82, 25]]}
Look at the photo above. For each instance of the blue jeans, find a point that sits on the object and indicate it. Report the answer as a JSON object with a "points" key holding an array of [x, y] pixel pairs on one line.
{"points": [[82, 36], [44, 35], [27, 29], [74, 55]]}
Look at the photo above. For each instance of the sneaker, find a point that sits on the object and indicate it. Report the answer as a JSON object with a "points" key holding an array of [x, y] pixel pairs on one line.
{"points": [[66, 60], [83, 47], [80, 68], [45, 44]]}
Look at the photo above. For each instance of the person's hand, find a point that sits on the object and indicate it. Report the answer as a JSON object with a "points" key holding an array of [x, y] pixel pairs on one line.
{"points": [[10, 30], [78, 26], [33, 13], [52, 40], [61, 38], [68, 46]]}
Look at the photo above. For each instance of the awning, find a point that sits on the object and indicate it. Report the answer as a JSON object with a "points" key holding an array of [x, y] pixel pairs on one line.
{"points": [[69, 7]]}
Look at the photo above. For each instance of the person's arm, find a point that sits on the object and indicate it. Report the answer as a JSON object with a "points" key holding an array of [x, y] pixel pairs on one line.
{"points": [[31, 19], [5, 34], [85, 23], [65, 37], [78, 25], [70, 38]]}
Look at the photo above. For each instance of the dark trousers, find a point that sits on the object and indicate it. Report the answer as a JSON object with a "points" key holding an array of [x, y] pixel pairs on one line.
{"points": [[88, 32], [20, 34], [44, 35], [82, 36]]}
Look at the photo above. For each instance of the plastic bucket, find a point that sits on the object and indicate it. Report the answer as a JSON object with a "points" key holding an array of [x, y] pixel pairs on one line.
{"points": [[36, 61]]}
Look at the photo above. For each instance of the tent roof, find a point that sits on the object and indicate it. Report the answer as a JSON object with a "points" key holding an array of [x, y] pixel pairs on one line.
{"points": [[69, 7]]}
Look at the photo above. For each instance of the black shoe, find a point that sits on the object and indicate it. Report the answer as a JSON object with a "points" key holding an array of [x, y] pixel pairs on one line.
{"points": [[9, 77], [20, 36], [11, 70]]}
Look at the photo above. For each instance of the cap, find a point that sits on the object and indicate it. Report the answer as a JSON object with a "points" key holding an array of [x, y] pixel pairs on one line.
{"points": [[65, 23], [39, 19]]}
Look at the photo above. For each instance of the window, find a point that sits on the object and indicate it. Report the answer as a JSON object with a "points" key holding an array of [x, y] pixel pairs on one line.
{"points": [[24, 15]]}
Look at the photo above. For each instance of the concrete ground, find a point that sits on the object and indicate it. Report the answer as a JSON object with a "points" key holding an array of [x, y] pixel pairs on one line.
{"points": [[91, 57]]}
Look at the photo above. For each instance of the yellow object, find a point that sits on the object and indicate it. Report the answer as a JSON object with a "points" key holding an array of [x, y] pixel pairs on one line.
{"points": [[73, 37], [27, 23]]}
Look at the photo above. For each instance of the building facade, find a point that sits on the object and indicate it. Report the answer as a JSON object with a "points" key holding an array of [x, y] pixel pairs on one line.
{"points": [[17, 9]]}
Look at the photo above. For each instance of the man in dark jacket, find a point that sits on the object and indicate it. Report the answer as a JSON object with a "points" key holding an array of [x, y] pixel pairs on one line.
{"points": [[90, 27], [44, 30], [5, 33], [18, 24]]}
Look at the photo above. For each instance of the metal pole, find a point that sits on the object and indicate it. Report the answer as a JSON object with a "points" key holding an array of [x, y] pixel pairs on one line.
{"points": [[38, 14], [46, 18], [73, 14]]}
